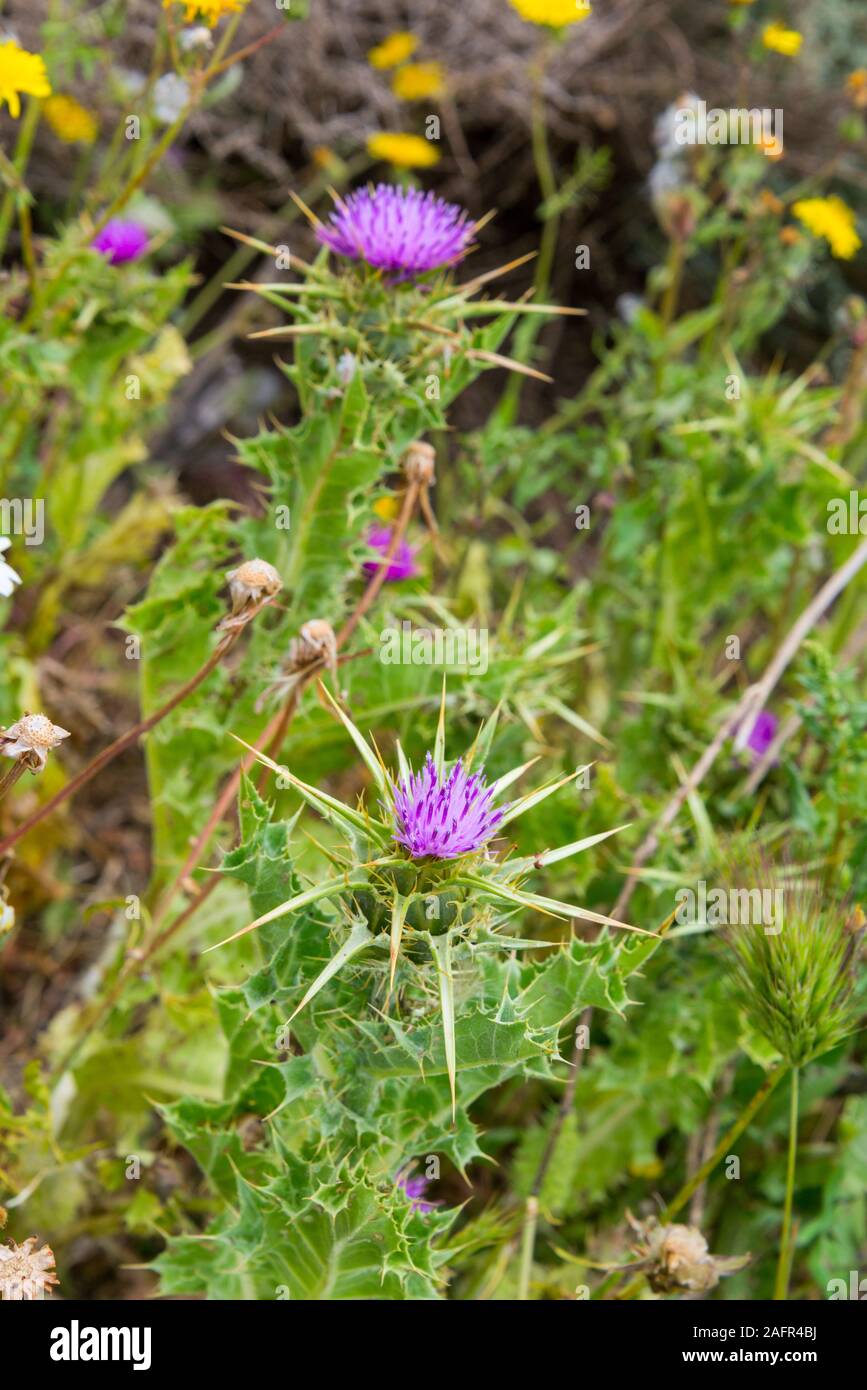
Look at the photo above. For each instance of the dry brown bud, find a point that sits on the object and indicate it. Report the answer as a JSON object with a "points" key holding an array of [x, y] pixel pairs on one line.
{"points": [[419, 463]]}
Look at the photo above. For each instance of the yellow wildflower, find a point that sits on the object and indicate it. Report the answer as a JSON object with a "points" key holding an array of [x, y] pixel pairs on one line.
{"points": [[416, 81], [386, 508], [395, 49], [211, 11], [741, 2], [404, 151], [21, 73], [771, 146], [556, 14], [832, 219], [779, 39], [857, 85], [69, 120]]}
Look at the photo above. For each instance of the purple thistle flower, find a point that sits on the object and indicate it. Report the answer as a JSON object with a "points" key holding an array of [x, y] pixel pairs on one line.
{"points": [[121, 240], [762, 733], [397, 229], [402, 565], [415, 1190], [444, 819]]}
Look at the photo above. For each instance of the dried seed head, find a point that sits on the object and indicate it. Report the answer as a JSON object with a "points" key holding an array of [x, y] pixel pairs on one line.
{"points": [[31, 737], [251, 585], [256, 580], [25, 1273], [678, 1260], [315, 642], [419, 463]]}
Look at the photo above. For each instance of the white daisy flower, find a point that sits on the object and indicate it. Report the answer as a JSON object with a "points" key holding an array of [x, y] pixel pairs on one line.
{"points": [[8, 577]]}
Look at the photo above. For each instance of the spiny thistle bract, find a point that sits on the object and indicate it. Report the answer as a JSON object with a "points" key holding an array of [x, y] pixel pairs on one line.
{"points": [[796, 980], [424, 867]]}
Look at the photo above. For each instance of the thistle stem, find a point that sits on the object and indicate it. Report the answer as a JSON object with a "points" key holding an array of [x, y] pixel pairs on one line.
{"points": [[120, 745], [10, 777], [784, 1263], [528, 1246], [723, 1147]]}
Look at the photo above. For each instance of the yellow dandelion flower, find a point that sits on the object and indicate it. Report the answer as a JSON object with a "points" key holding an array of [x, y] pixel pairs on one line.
{"points": [[555, 14], [21, 73], [404, 151], [832, 219], [856, 83], [70, 121], [741, 2], [386, 508], [779, 39], [211, 11], [416, 81], [393, 50]]}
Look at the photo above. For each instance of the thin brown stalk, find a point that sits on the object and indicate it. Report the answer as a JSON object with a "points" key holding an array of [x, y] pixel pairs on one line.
{"points": [[744, 714], [120, 745]]}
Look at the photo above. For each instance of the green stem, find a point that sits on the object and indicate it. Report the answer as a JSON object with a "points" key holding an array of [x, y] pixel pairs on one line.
{"points": [[528, 1244], [21, 157], [784, 1264], [722, 1149], [531, 324]]}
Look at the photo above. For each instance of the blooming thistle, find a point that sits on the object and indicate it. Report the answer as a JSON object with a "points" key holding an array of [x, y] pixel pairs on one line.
{"points": [[442, 817], [121, 240], [402, 149], [402, 564], [26, 1273], [831, 219], [415, 1190], [762, 733], [71, 122], [31, 739], [428, 844], [552, 14], [400, 230], [8, 576], [21, 74]]}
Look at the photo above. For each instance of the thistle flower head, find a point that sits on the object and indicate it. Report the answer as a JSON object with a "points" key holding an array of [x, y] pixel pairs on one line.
{"points": [[122, 239], [795, 977], [415, 1190], [762, 733], [33, 736], [402, 564], [443, 817], [26, 1273], [400, 230]]}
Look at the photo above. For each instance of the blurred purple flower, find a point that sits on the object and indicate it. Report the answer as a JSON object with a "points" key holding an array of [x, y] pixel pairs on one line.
{"points": [[398, 229], [121, 240], [402, 565], [762, 733], [415, 1189], [447, 818]]}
